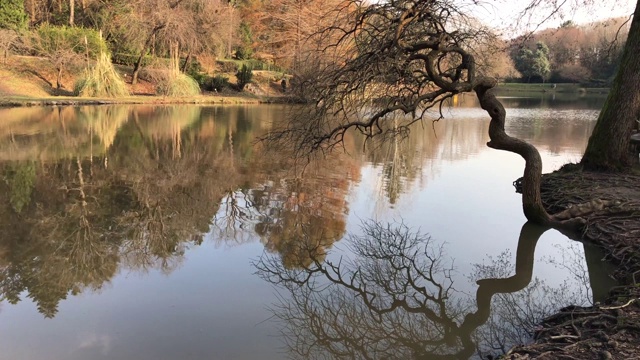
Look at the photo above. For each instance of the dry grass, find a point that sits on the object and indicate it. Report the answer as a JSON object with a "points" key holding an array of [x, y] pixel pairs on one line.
{"points": [[101, 81], [16, 79], [177, 85]]}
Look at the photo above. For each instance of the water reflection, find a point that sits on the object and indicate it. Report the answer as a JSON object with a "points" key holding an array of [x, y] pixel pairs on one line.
{"points": [[93, 196], [395, 298], [134, 187], [281, 209], [538, 100]]}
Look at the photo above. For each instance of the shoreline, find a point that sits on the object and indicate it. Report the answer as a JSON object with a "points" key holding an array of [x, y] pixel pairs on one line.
{"points": [[13, 101], [610, 330], [559, 88]]}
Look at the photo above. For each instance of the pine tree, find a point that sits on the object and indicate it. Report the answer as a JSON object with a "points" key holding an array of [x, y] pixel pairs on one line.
{"points": [[12, 15]]}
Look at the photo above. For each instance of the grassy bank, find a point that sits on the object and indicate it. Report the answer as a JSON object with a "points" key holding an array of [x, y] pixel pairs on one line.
{"points": [[15, 101], [551, 87]]}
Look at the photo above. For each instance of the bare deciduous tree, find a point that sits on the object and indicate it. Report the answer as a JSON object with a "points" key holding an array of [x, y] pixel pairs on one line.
{"points": [[396, 64], [58, 48], [403, 61], [7, 40]]}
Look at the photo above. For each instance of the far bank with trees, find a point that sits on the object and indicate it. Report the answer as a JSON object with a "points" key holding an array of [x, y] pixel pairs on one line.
{"points": [[186, 47]]}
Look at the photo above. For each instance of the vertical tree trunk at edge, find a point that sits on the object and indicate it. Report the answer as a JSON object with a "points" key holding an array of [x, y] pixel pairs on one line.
{"points": [[608, 147], [32, 4], [72, 5], [136, 67]]}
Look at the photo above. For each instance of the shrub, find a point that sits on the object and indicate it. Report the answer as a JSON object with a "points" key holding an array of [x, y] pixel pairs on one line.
{"points": [[48, 39], [203, 80], [130, 59], [219, 82], [194, 70], [261, 65], [12, 15], [228, 66], [244, 75], [8, 39], [101, 81], [243, 53], [193, 67], [65, 47], [177, 85]]}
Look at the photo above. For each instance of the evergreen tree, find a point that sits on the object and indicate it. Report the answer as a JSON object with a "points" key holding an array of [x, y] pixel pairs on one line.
{"points": [[12, 15], [534, 64], [244, 75]]}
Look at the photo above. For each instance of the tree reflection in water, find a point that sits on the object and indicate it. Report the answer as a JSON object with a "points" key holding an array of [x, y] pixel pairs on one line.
{"points": [[394, 298], [134, 187]]}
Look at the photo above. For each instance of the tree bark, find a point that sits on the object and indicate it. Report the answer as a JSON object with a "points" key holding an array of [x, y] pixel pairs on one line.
{"points": [[609, 144], [72, 5], [185, 66], [143, 52], [136, 67], [59, 78], [531, 200]]}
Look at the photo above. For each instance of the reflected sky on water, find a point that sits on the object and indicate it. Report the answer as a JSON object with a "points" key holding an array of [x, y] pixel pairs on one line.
{"points": [[129, 232]]}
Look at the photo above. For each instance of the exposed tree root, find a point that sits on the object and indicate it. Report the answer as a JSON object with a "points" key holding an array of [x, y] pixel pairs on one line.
{"points": [[599, 332], [612, 221]]}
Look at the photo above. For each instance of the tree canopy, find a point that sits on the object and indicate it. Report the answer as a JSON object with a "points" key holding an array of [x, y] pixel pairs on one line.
{"points": [[534, 64]]}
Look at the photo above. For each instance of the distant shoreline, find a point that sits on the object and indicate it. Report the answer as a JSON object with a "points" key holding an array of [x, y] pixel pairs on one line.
{"points": [[10, 101], [551, 88]]}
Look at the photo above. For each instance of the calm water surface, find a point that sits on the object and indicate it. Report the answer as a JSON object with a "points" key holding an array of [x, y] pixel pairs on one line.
{"points": [[132, 232]]}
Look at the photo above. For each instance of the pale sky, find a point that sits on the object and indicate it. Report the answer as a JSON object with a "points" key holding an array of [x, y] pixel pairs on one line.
{"points": [[504, 14]]}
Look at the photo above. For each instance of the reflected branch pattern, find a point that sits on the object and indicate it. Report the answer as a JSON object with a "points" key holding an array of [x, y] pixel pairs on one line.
{"points": [[394, 298]]}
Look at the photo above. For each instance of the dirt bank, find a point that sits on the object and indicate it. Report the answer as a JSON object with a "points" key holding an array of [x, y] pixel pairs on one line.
{"points": [[610, 330]]}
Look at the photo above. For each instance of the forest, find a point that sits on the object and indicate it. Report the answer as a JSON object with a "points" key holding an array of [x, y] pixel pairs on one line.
{"points": [[211, 41]]}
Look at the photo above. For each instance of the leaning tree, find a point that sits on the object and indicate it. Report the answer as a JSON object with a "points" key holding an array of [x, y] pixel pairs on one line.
{"points": [[395, 63]]}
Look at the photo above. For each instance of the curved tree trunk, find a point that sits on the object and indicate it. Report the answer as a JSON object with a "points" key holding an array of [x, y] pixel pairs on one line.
{"points": [[530, 233], [608, 147], [531, 200]]}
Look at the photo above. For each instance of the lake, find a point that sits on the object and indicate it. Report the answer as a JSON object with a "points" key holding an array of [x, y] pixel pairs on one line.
{"points": [[158, 232]]}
